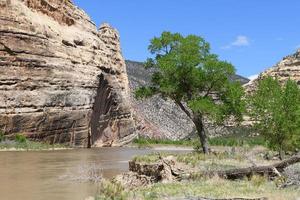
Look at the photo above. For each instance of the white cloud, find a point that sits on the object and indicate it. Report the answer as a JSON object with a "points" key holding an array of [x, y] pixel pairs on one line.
{"points": [[298, 46], [240, 41], [252, 77]]}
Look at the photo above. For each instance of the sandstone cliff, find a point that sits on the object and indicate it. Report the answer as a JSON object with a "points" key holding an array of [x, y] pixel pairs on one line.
{"points": [[287, 68], [160, 118], [61, 79]]}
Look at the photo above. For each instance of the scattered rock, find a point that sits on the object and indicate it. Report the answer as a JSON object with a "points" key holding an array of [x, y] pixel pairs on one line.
{"points": [[292, 173]]}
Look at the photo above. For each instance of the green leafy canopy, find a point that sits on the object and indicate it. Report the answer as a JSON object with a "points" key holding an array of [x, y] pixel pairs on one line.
{"points": [[276, 111], [187, 73]]}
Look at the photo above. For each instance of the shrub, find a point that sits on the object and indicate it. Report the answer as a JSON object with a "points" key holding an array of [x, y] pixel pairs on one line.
{"points": [[111, 191], [258, 181], [20, 138]]}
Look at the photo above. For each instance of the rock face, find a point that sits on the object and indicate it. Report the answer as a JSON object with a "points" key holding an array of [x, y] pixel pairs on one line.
{"points": [[159, 118], [287, 68], [61, 79]]}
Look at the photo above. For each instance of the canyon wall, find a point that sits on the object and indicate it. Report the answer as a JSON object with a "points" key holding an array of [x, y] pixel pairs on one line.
{"points": [[287, 68], [61, 79]]}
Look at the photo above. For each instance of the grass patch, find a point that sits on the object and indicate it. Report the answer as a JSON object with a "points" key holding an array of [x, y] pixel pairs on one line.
{"points": [[22, 143], [216, 161], [231, 140], [215, 187], [150, 158], [219, 188], [148, 142], [237, 140], [112, 191]]}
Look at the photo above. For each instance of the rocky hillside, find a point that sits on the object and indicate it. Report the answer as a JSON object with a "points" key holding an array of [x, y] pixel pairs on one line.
{"points": [[287, 68], [61, 79], [161, 118]]}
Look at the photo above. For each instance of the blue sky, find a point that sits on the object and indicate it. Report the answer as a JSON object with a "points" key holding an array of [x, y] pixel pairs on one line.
{"points": [[251, 34]]}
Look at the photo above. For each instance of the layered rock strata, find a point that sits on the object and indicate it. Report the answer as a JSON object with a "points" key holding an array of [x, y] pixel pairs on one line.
{"points": [[61, 79], [287, 68]]}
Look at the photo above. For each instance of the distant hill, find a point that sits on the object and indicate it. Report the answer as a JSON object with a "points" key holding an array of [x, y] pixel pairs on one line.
{"points": [[287, 68], [161, 118], [136, 71]]}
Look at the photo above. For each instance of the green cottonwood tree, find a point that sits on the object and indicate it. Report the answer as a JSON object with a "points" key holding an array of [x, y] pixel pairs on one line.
{"points": [[187, 73], [276, 112]]}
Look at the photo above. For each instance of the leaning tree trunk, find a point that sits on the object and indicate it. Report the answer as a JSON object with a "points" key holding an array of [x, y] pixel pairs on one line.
{"points": [[198, 121]]}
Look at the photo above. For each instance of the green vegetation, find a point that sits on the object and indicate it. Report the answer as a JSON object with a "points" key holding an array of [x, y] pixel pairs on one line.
{"points": [[198, 185], [187, 73], [112, 191], [211, 188], [222, 160], [22, 143], [276, 110], [237, 140], [218, 188], [20, 139], [148, 142], [231, 140]]}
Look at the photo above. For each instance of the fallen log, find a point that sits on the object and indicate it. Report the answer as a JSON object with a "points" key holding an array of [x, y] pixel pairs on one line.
{"points": [[270, 171]]}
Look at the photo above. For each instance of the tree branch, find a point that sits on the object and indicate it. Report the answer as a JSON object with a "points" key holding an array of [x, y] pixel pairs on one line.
{"points": [[210, 88]]}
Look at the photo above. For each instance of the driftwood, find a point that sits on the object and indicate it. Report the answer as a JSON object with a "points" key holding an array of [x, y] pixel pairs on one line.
{"points": [[270, 171]]}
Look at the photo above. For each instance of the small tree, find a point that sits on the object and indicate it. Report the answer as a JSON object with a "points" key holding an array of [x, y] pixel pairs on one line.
{"points": [[276, 112], [196, 80]]}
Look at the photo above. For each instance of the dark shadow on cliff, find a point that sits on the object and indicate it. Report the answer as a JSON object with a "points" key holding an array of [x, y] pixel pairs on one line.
{"points": [[101, 109]]}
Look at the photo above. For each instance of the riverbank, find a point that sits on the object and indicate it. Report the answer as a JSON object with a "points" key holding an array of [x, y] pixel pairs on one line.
{"points": [[13, 149], [185, 176], [20, 143], [231, 140], [62, 174]]}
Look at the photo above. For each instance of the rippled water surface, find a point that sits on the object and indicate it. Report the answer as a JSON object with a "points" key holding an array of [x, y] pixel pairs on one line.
{"points": [[38, 175]]}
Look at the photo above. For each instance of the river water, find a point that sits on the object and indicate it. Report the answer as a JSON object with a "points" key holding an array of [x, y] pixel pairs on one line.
{"points": [[39, 175]]}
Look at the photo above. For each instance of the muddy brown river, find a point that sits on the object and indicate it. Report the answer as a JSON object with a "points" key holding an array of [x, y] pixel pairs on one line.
{"points": [[38, 175]]}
